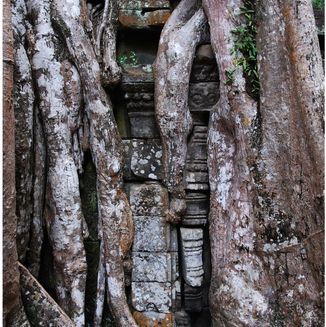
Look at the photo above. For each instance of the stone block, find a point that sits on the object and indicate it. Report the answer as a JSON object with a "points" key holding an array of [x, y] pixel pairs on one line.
{"points": [[204, 67], [146, 159], [148, 199], [137, 79], [151, 296], [149, 267], [140, 19], [152, 234], [192, 256], [153, 319], [203, 95], [174, 239], [143, 125], [206, 72], [143, 159]]}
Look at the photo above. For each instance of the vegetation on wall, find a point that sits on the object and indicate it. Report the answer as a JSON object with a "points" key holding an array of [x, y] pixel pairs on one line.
{"points": [[128, 59], [318, 4], [245, 48]]}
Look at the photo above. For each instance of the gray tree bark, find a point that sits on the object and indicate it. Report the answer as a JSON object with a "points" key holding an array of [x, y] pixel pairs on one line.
{"points": [[39, 305], [106, 147], [265, 172], [13, 311], [58, 88], [179, 38]]}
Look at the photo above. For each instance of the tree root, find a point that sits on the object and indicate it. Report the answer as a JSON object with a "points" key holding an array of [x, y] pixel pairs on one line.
{"points": [[63, 215], [106, 147], [179, 38], [39, 304]]}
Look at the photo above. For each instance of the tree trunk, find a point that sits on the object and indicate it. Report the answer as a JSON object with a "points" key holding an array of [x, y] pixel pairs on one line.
{"points": [[58, 89], [239, 287], [39, 305], [10, 273], [289, 175], [106, 147], [262, 168], [13, 311]]}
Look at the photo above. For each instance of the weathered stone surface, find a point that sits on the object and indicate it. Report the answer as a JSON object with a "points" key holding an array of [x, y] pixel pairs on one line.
{"points": [[192, 298], [197, 181], [204, 67], [176, 295], [151, 296], [136, 78], [140, 19], [197, 147], [149, 199], [143, 124], [146, 159], [203, 95], [149, 267], [196, 165], [204, 72], [197, 209], [192, 255], [153, 319], [182, 319], [152, 234], [143, 159], [174, 239]]}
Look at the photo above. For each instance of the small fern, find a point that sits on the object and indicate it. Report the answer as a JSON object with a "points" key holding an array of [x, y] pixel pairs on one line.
{"points": [[245, 44], [128, 59]]}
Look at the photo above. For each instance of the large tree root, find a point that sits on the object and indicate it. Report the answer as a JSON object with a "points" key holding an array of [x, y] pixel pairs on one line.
{"points": [[179, 38], [30, 149], [41, 308], [63, 212], [291, 158], [106, 147], [24, 108], [237, 273], [12, 305], [106, 43]]}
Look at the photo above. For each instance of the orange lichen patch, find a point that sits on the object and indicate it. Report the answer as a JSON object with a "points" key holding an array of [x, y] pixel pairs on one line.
{"points": [[158, 320], [135, 18], [246, 121]]}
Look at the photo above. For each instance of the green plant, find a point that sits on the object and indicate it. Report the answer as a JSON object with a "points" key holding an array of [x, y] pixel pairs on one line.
{"points": [[128, 58], [319, 4], [229, 76], [245, 43]]}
